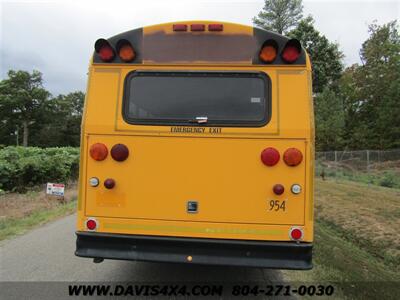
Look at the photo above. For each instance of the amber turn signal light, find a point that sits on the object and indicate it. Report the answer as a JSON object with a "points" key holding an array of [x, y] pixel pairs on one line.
{"points": [[292, 157], [98, 151]]}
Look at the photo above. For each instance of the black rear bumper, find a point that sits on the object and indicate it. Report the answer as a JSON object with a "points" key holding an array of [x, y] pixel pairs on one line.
{"points": [[277, 255]]}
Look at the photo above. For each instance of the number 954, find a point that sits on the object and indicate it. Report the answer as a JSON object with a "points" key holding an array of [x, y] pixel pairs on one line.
{"points": [[277, 205]]}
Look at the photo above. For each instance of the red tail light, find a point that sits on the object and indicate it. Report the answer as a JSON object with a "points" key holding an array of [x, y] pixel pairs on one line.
{"points": [[179, 27], [215, 27], [98, 151], [295, 234], [292, 51], [91, 224], [292, 157], [278, 189], [119, 152], [125, 51], [270, 156], [104, 50], [197, 27], [269, 51], [109, 183]]}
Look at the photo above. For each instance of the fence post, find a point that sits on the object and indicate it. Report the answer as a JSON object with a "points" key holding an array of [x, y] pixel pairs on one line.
{"points": [[368, 161]]}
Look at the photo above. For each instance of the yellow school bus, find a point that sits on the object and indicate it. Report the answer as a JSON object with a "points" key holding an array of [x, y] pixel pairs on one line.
{"points": [[198, 147]]}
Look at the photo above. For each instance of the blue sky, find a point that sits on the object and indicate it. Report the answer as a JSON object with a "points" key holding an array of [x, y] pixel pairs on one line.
{"points": [[46, 34]]}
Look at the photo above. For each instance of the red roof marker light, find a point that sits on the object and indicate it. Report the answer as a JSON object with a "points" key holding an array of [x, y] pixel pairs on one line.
{"points": [[179, 27], [104, 50], [292, 51], [215, 27], [197, 27]]}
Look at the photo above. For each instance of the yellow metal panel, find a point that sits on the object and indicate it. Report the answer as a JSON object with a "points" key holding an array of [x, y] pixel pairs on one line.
{"points": [[225, 176], [101, 105]]}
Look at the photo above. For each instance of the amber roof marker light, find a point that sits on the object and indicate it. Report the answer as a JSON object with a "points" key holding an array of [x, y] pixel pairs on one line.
{"points": [[125, 50], [269, 51]]}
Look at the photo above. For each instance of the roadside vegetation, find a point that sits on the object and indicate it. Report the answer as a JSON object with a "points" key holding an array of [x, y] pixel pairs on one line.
{"points": [[22, 168], [357, 242], [385, 174], [21, 212], [24, 172]]}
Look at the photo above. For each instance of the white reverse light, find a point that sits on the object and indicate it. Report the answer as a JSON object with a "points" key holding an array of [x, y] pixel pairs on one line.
{"points": [[94, 181], [296, 189]]}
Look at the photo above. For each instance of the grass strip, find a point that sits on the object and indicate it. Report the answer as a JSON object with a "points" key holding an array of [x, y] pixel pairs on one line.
{"points": [[10, 227], [360, 274]]}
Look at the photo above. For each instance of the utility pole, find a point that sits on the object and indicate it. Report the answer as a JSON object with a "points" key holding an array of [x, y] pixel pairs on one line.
{"points": [[16, 133]]}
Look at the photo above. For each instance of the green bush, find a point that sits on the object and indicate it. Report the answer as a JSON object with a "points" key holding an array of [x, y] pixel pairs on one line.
{"points": [[22, 167], [388, 180]]}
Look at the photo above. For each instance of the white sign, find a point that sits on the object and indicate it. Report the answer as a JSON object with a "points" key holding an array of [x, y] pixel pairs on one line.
{"points": [[56, 189]]}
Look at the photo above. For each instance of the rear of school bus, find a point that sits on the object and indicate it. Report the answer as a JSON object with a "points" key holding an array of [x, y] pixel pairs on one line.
{"points": [[197, 147]]}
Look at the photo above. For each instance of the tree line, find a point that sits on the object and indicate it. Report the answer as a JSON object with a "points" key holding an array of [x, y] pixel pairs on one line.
{"points": [[357, 107], [31, 116]]}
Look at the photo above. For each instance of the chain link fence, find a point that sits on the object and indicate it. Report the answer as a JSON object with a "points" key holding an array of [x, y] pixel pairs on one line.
{"points": [[368, 166]]}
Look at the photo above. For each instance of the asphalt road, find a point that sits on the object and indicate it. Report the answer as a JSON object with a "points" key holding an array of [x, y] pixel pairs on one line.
{"points": [[47, 254]]}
